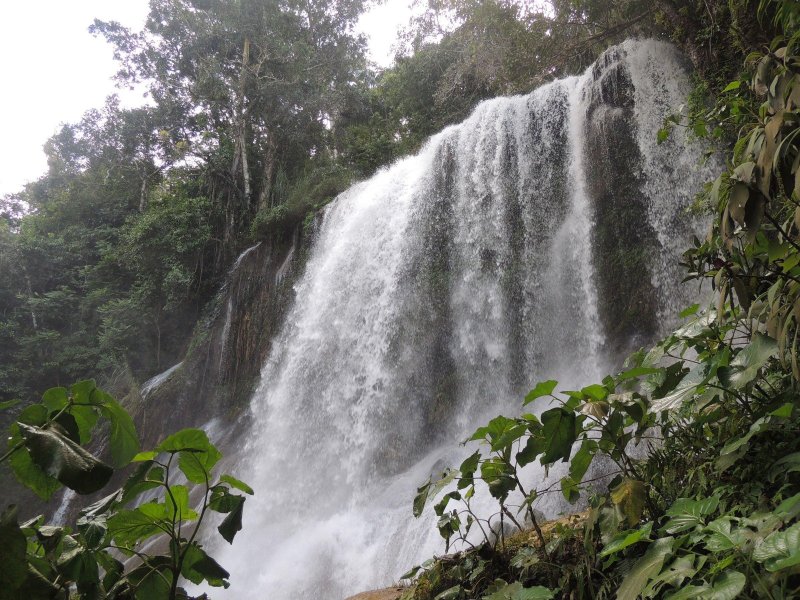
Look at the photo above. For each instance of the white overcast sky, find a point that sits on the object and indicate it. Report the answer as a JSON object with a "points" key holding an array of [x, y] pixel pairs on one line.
{"points": [[54, 70]]}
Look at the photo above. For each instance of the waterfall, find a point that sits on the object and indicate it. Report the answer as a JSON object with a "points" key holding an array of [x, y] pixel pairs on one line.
{"points": [[535, 240]]}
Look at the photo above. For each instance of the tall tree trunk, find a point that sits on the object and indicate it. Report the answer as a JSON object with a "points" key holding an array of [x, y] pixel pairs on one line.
{"points": [[265, 195], [240, 154]]}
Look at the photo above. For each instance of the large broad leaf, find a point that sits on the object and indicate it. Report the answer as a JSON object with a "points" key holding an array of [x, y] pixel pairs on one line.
{"points": [[26, 471], [745, 365], [235, 483], [626, 538], [129, 527], [674, 574], [198, 566], [453, 593], [123, 440], [722, 537], [543, 388], [152, 580], [686, 513], [177, 501], [431, 489], [499, 476], [629, 498], [685, 390], [197, 455], [735, 444], [727, 586], [647, 567], [13, 545], [467, 470], [515, 591], [582, 459], [559, 434], [780, 550], [63, 459], [55, 398], [232, 524]]}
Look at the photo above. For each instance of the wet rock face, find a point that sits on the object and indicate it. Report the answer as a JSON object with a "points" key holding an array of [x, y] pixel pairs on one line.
{"points": [[624, 242], [229, 346]]}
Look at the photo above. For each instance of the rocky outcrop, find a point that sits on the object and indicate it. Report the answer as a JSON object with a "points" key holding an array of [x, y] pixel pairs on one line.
{"points": [[391, 593], [229, 345]]}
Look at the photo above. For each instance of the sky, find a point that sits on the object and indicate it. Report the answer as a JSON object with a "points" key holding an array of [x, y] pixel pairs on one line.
{"points": [[54, 70]]}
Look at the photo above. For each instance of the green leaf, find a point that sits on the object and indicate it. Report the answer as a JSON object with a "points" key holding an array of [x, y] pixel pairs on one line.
{"points": [[722, 538], [431, 489], [647, 567], [233, 522], [153, 580], [235, 483], [13, 546], [629, 497], [515, 591], [534, 447], [779, 550], [177, 501], [93, 530], [678, 571], [499, 476], [55, 398], [129, 527], [559, 434], [63, 459], [596, 392], [637, 372], [543, 388], [745, 365], [30, 475], [784, 411], [86, 418], [197, 455], [198, 566], [582, 459], [411, 573], [733, 445], [185, 439], [82, 391], [733, 85], [683, 391], [35, 414], [689, 311], [627, 538], [467, 470], [144, 456], [686, 513], [452, 593], [123, 441], [728, 586], [690, 592], [570, 490]]}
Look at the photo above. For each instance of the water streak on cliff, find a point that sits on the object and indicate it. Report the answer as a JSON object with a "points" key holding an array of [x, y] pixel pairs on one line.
{"points": [[524, 244]]}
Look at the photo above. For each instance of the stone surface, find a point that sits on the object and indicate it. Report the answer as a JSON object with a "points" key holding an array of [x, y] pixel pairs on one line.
{"points": [[391, 593]]}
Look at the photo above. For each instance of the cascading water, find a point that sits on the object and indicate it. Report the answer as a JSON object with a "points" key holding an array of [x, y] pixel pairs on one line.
{"points": [[437, 293]]}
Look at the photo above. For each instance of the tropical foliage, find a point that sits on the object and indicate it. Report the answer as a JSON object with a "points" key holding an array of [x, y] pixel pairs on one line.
{"points": [[108, 552], [695, 440]]}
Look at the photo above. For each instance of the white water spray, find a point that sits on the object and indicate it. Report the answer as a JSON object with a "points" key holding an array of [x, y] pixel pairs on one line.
{"points": [[435, 295]]}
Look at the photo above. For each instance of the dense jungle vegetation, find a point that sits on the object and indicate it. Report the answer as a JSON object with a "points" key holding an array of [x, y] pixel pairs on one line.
{"points": [[688, 457], [260, 113]]}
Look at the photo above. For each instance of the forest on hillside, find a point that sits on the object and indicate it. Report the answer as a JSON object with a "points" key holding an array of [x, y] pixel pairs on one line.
{"points": [[260, 114]]}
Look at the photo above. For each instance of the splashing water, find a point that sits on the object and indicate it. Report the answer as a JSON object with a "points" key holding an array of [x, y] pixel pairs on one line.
{"points": [[436, 294]]}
